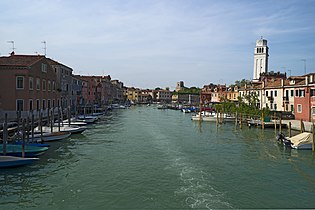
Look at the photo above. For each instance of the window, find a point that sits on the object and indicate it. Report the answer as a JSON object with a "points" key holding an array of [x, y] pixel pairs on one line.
{"points": [[275, 106], [286, 107], [31, 83], [31, 105], [296, 93], [270, 105], [44, 85], [19, 105], [299, 108], [292, 93], [302, 93], [292, 108], [312, 92], [37, 104], [19, 82], [53, 103], [49, 85], [44, 67], [53, 86], [267, 93], [44, 104], [48, 104], [37, 83], [276, 93]]}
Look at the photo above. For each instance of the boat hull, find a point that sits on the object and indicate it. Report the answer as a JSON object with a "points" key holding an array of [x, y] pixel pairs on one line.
{"points": [[29, 151], [12, 161]]}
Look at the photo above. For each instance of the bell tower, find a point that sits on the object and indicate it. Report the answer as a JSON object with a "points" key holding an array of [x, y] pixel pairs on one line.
{"points": [[260, 58]]}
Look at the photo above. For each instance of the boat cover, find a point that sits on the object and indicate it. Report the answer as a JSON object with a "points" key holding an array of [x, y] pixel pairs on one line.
{"points": [[301, 139]]}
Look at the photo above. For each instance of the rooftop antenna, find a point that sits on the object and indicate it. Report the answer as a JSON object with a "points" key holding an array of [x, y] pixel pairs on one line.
{"points": [[304, 65], [12, 42], [45, 48], [289, 72]]}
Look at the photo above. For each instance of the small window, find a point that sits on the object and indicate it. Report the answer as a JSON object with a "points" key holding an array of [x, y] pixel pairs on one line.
{"points": [[292, 93], [19, 82], [267, 93], [48, 104], [44, 67], [302, 93], [276, 93], [49, 85], [296, 93], [275, 106], [31, 105], [312, 92], [19, 105], [292, 108], [53, 86], [38, 104], [299, 108], [44, 85], [44, 104], [37, 84], [31, 83]]}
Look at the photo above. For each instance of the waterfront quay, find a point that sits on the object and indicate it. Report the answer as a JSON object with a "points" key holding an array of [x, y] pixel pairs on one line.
{"points": [[148, 158]]}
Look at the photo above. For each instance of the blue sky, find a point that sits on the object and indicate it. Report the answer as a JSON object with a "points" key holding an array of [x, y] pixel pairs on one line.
{"points": [[156, 43]]}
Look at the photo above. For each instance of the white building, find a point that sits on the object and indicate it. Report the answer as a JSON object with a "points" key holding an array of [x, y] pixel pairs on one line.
{"points": [[260, 58]]}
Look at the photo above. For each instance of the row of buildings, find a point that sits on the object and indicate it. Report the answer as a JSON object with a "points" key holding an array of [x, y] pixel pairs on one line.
{"points": [[295, 94], [38, 84]]}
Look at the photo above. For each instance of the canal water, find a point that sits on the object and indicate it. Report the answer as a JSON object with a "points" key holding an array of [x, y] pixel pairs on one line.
{"points": [[146, 158]]}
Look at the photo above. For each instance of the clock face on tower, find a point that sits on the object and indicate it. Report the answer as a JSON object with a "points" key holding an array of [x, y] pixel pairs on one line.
{"points": [[260, 42]]}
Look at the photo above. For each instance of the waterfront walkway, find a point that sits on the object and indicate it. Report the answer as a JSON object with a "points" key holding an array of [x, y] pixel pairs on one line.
{"points": [[296, 125]]}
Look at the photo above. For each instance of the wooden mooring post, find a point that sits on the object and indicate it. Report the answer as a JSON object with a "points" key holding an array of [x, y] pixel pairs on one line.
{"points": [[23, 138], [5, 134], [262, 120], [301, 126], [290, 124], [275, 122], [280, 123]]}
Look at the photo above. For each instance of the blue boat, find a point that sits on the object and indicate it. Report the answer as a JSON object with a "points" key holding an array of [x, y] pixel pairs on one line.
{"points": [[33, 144], [16, 150], [12, 161]]}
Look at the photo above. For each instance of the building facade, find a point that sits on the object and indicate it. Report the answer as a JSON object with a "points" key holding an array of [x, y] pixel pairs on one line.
{"points": [[28, 84]]}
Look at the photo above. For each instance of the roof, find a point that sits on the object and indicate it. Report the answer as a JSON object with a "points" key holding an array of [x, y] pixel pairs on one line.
{"points": [[53, 62], [20, 60]]}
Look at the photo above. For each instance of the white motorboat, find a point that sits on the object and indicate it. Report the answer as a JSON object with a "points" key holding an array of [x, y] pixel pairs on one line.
{"points": [[50, 136], [300, 141], [86, 118], [212, 117], [73, 121], [65, 128]]}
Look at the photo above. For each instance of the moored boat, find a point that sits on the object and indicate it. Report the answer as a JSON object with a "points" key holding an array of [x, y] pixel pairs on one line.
{"points": [[50, 136], [300, 141], [12, 161], [68, 129], [16, 150]]}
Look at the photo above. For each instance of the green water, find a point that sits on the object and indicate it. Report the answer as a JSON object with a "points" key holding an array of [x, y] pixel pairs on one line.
{"points": [[145, 158]]}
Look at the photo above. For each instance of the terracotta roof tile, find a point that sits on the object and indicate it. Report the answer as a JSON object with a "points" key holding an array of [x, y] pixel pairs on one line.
{"points": [[20, 60]]}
